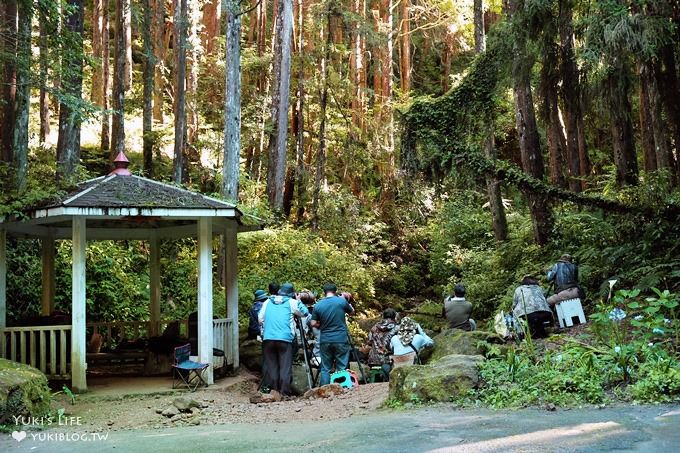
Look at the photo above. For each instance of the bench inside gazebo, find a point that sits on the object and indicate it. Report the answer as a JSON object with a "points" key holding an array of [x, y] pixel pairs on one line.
{"points": [[116, 207]]}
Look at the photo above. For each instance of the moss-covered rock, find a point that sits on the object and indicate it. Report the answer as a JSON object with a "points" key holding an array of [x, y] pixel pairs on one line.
{"points": [[444, 380], [23, 392], [250, 355], [456, 341]]}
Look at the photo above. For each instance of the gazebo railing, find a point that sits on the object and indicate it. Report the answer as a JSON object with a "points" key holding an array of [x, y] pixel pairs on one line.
{"points": [[114, 332], [47, 348], [221, 335]]}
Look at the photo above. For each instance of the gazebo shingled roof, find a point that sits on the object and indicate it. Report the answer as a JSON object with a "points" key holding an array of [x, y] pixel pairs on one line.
{"points": [[135, 192]]}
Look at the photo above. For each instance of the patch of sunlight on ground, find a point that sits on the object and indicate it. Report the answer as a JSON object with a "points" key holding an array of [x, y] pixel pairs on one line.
{"points": [[544, 438]]}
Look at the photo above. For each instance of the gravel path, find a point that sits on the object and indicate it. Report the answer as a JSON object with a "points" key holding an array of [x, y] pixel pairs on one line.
{"points": [[220, 406]]}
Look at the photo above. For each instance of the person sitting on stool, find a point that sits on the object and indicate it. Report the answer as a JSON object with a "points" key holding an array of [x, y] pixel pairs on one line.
{"points": [[529, 303], [564, 274]]}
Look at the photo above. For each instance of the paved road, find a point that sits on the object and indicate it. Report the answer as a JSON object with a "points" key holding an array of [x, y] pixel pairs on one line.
{"points": [[625, 428]]}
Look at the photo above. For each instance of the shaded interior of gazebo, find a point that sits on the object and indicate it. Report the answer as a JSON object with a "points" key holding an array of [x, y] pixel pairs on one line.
{"points": [[115, 207]]}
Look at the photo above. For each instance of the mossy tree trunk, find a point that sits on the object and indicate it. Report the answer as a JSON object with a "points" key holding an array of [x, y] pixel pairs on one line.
{"points": [[70, 114]]}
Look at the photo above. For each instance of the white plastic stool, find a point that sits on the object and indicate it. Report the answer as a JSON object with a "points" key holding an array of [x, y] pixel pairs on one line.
{"points": [[567, 309]]}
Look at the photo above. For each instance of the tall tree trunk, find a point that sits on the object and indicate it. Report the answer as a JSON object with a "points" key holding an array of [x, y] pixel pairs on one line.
{"points": [[576, 153], [195, 51], [211, 24], [357, 65], [405, 57], [58, 15], [480, 37], [180, 89], [646, 135], [255, 161], [232, 103], [671, 92], [23, 94], [386, 113], [149, 69], [105, 145], [621, 124], [43, 23], [493, 185], [447, 58], [68, 143], [323, 103], [118, 94], [276, 171], [159, 52], [300, 174], [651, 74], [363, 68], [97, 90], [128, 45], [529, 144], [549, 111], [378, 59], [8, 35]]}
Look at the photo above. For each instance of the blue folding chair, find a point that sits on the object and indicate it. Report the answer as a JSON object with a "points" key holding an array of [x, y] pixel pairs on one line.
{"points": [[186, 371]]}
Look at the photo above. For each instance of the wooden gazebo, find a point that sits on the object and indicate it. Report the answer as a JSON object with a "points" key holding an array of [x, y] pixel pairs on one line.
{"points": [[120, 206]]}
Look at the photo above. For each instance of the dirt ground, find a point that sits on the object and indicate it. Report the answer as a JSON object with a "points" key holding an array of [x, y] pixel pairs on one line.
{"points": [[220, 406]]}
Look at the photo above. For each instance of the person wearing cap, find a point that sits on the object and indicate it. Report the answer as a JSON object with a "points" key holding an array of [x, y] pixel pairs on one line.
{"points": [[329, 317], [564, 274], [254, 329], [457, 310], [278, 334], [529, 303]]}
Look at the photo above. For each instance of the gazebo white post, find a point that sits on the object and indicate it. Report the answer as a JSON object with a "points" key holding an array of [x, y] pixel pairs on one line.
{"points": [[78, 362], [48, 275], [205, 295], [3, 280], [155, 284], [231, 286]]}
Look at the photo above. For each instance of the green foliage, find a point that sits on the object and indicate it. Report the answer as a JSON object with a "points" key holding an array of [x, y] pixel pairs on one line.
{"points": [[627, 356], [563, 379], [659, 381], [306, 260]]}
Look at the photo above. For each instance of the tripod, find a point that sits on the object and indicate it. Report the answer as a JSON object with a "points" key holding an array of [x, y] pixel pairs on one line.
{"points": [[356, 356], [305, 350]]}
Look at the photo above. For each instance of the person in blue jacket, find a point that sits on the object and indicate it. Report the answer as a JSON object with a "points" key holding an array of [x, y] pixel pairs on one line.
{"points": [[278, 334]]}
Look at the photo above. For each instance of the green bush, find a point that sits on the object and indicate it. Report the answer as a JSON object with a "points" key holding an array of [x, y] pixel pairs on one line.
{"points": [[306, 260], [629, 354]]}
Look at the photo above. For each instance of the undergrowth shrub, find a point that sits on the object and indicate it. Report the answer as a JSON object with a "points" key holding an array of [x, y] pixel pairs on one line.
{"points": [[630, 352], [307, 261]]}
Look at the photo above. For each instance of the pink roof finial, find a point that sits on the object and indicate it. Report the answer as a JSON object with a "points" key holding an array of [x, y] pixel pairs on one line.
{"points": [[121, 165]]}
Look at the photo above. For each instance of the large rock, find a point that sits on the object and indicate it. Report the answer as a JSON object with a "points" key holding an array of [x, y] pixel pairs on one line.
{"points": [[300, 383], [456, 341], [185, 404], [250, 355], [449, 377], [23, 392]]}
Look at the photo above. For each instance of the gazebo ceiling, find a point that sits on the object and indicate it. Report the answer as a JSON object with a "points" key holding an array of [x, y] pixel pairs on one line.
{"points": [[120, 206]]}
